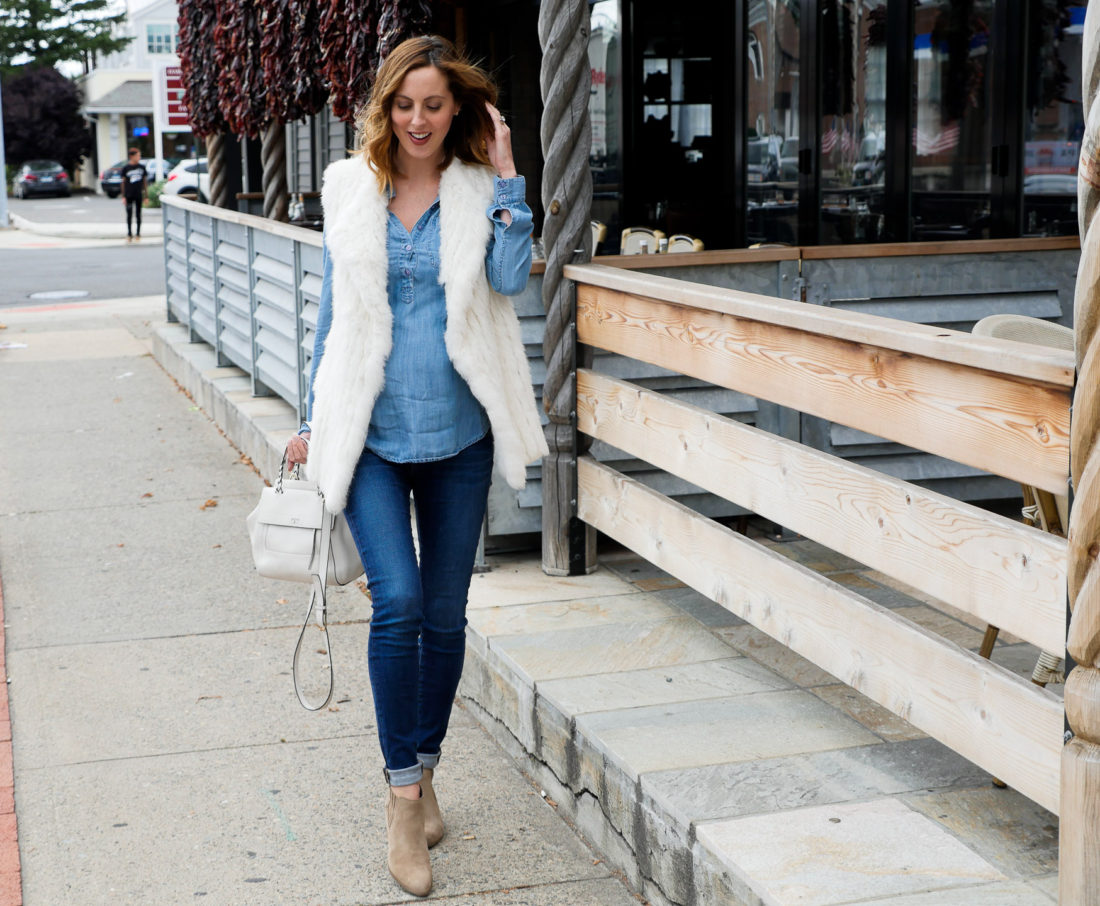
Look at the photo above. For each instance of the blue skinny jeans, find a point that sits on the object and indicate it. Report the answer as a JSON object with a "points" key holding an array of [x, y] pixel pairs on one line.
{"points": [[418, 620]]}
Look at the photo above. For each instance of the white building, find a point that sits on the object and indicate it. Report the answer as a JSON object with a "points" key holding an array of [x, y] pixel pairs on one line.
{"points": [[118, 93]]}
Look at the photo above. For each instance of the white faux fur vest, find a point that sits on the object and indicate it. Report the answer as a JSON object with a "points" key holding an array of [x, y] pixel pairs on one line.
{"points": [[482, 335]]}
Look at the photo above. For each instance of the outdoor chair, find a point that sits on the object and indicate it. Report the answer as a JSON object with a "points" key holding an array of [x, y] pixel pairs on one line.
{"points": [[599, 234], [633, 237], [1048, 511], [682, 242]]}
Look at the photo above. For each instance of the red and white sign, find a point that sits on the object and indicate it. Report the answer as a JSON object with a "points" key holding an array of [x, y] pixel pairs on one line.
{"points": [[168, 106]]}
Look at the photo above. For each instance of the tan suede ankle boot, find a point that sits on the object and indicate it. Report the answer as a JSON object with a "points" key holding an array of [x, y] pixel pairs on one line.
{"points": [[408, 852], [433, 820]]}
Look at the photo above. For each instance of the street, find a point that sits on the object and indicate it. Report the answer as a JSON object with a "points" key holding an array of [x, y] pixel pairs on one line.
{"points": [[85, 269]]}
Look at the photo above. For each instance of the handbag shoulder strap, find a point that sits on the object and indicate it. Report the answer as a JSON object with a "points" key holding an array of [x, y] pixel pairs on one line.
{"points": [[317, 594]]}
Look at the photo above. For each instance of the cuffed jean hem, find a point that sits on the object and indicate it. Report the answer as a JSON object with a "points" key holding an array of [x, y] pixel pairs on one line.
{"points": [[428, 761], [404, 776]]}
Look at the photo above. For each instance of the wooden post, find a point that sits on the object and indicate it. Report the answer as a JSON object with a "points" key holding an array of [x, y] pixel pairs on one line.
{"points": [[273, 155], [568, 545], [1079, 835]]}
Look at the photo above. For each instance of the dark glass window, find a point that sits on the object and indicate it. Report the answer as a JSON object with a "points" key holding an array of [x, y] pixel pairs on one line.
{"points": [[1055, 119], [771, 126], [605, 107], [952, 104], [852, 152]]}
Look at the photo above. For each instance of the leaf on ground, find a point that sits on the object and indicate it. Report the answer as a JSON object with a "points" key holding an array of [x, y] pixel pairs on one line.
{"points": [[281, 601], [217, 545], [334, 708], [117, 399], [147, 494], [120, 545], [362, 586], [204, 698], [3, 326], [209, 503]]}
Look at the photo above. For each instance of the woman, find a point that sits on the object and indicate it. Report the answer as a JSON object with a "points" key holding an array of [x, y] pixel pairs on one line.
{"points": [[419, 384]]}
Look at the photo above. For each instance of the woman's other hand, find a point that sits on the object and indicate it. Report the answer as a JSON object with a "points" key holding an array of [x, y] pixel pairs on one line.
{"points": [[498, 144], [297, 450]]}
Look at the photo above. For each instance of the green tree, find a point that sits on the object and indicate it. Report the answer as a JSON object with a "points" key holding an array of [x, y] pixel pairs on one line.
{"points": [[48, 32], [42, 117]]}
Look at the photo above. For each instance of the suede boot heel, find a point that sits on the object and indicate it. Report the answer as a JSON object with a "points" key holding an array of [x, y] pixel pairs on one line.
{"points": [[433, 820], [408, 852]]}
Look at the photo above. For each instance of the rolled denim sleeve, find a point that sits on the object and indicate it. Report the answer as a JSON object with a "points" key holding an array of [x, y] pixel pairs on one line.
{"points": [[324, 323], [508, 258]]}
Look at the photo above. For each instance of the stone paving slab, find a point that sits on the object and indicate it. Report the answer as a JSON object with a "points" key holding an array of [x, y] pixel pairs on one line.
{"points": [[835, 854], [742, 728], [661, 685], [839, 775], [608, 648]]}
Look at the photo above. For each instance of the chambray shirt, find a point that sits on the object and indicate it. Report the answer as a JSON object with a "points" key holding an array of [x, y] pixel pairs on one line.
{"points": [[425, 410]]}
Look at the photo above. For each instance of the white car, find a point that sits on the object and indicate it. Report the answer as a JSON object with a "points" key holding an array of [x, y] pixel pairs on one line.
{"points": [[189, 179]]}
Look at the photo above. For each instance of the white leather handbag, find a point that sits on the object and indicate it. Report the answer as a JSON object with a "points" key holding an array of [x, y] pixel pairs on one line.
{"points": [[294, 537], [286, 529]]}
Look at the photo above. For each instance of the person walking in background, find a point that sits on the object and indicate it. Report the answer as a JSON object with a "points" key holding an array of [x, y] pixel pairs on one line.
{"points": [[419, 385], [134, 182]]}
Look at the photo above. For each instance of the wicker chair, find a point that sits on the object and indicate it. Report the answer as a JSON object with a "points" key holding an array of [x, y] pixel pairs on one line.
{"points": [[682, 242], [599, 234], [1048, 511], [633, 237]]}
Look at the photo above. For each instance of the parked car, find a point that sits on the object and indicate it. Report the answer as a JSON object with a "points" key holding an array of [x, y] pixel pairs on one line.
{"points": [[788, 161], [189, 179], [764, 155], [40, 177], [870, 169], [110, 180]]}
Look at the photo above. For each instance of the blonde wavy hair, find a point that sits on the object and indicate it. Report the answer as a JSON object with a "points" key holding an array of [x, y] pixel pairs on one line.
{"points": [[468, 82]]}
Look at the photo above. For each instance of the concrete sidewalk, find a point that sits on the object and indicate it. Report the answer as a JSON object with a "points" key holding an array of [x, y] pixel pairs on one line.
{"points": [[160, 756], [709, 763], [152, 227]]}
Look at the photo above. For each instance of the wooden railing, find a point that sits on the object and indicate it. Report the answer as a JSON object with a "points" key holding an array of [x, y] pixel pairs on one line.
{"points": [[998, 405]]}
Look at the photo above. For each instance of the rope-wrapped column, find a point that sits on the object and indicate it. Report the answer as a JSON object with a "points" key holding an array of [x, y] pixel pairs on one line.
{"points": [[273, 158], [1079, 850], [216, 147], [568, 546]]}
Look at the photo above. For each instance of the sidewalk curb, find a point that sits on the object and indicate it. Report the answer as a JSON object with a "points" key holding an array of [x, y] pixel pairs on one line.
{"points": [[152, 227], [11, 888]]}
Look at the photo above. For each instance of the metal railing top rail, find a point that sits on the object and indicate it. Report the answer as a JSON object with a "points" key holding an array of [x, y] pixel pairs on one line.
{"points": [[275, 227], [1022, 360]]}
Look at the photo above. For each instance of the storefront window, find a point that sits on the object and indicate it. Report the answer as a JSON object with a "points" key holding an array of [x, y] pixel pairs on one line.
{"points": [[139, 134], [853, 129], [1055, 120], [772, 122], [605, 109], [952, 104]]}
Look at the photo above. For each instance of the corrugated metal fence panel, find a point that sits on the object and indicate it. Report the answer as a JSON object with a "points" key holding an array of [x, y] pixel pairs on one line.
{"points": [[274, 314], [312, 274], [200, 277], [234, 315], [175, 262], [947, 291]]}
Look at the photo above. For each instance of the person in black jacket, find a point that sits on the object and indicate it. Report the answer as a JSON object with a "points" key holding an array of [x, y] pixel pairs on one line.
{"points": [[134, 181]]}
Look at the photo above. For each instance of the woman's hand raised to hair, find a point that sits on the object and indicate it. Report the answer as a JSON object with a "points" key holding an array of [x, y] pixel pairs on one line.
{"points": [[498, 144], [297, 450]]}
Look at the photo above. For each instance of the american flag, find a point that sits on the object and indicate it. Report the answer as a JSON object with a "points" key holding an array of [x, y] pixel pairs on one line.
{"points": [[936, 143]]}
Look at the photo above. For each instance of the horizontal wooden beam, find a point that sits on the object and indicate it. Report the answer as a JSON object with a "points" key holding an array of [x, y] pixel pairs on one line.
{"points": [[997, 720], [998, 416], [1003, 572], [1008, 357], [965, 247]]}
